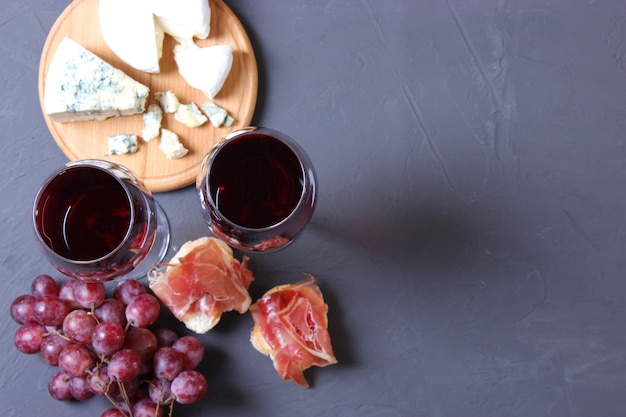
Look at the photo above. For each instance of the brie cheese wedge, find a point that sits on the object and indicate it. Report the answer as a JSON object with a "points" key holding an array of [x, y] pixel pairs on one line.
{"points": [[204, 68], [131, 31], [82, 86], [183, 19]]}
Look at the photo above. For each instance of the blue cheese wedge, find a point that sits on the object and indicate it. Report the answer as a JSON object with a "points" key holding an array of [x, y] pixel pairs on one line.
{"points": [[217, 115], [168, 101], [152, 122], [190, 115], [171, 146], [82, 86], [123, 143]]}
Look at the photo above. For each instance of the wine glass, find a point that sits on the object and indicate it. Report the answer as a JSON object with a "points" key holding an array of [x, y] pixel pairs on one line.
{"points": [[96, 221], [257, 189]]}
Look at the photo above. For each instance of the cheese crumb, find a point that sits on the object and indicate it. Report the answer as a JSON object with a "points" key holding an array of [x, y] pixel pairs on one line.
{"points": [[217, 115], [152, 120], [123, 143], [190, 115], [171, 146], [168, 101]]}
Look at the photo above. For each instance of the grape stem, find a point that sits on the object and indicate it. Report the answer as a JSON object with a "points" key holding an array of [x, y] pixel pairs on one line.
{"points": [[126, 399], [92, 313], [58, 333]]}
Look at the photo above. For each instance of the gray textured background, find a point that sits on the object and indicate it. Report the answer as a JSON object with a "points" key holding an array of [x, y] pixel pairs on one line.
{"points": [[470, 232]]}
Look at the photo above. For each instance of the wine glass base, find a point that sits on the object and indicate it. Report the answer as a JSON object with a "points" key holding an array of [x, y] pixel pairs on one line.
{"points": [[157, 252]]}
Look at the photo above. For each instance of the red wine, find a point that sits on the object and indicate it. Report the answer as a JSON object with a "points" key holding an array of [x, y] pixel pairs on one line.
{"points": [[83, 214], [256, 181]]}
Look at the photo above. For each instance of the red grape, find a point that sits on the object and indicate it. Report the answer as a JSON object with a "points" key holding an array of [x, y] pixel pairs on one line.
{"points": [[145, 371], [80, 388], [124, 365], [66, 293], [133, 392], [50, 310], [44, 285], [143, 310], [51, 347], [160, 391], [75, 359], [89, 295], [165, 337], [59, 386], [99, 381], [146, 408], [167, 363], [107, 338], [112, 310], [192, 350], [189, 387], [79, 325], [28, 338], [127, 290], [141, 340], [22, 309]]}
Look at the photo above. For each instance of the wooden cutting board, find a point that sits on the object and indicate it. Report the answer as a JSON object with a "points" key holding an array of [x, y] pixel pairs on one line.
{"points": [[88, 139]]}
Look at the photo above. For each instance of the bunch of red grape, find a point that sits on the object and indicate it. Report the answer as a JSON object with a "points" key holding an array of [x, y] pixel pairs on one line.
{"points": [[107, 346]]}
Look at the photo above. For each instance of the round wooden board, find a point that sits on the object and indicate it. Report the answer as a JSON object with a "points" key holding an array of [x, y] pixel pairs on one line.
{"points": [[89, 139]]}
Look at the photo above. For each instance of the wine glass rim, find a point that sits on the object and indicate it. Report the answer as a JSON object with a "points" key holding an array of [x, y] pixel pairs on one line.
{"points": [[306, 168], [89, 164]]}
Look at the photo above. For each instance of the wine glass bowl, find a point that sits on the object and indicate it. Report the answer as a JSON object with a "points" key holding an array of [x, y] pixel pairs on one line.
{"points": [[257, 189], [95, 220]]}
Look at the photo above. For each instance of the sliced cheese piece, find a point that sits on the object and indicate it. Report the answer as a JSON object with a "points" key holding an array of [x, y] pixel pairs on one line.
{"points": [[171, 146], [131, 31], [81, 86], [183, 19], [152, 122], [190, 115], [204, 68]]}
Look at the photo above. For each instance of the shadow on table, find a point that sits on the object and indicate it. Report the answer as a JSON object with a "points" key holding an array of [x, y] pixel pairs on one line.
{"points": [[419, 237]]}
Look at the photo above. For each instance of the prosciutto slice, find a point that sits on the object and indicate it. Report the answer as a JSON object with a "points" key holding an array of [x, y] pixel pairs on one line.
{"points": [[201, 282], [291, 327]]}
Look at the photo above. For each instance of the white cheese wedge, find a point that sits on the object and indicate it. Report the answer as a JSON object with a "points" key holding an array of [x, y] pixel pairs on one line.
{"points": [[204, 68], [123, 143], [183, 19], [131, 31], [190, 115], [81, 86], [171, 146], [152, 122]]}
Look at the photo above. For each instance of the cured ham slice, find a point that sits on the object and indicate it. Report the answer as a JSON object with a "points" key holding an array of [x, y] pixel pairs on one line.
{"points": [[291, 327], [203, 281]]}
